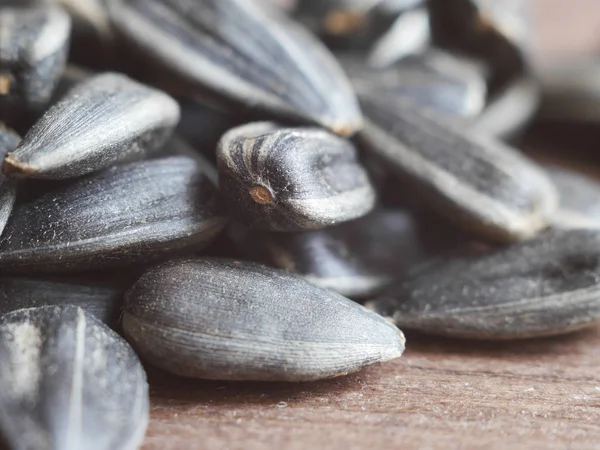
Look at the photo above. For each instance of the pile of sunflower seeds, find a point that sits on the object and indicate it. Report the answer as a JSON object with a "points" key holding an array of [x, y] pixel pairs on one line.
{"points": [[214, 180]]}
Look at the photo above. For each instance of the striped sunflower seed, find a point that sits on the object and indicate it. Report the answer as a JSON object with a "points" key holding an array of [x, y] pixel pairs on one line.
{"points": [[9, 140], [546, 286], [456, 91], [481, 185], [101, 300], [291, 179], [579, 199], [105, 119], [33, 53], [228, 320], [69, 382], [355, 259], [244, 53], [134, 212]]}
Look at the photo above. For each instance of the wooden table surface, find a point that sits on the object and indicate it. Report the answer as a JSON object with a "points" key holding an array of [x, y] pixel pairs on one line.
{"points": [[442, 394]]}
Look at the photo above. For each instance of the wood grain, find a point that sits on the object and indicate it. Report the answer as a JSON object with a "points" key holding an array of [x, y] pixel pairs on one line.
{"points": [[442, 394]]}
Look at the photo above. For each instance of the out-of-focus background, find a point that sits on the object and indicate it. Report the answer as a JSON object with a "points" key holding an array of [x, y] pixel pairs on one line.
{"points": [[566, 28]]}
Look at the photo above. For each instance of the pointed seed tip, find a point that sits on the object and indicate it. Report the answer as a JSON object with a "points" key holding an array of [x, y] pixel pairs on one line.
{"points": [[14, 168]]}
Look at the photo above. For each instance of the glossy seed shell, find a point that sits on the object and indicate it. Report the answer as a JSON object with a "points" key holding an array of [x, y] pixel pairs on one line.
{"points": [[134, 212], [355, 259], [482, 185], [245, 53], [33, 53], [69, 382], [222, 319], [291, 179], [546, 286], [102, 301], [103, 120]]}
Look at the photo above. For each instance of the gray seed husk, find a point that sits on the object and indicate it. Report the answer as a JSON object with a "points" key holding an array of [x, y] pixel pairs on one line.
{"points": [[454, 93], [291, 179], [103, 120], [69, 382], [546, 286], [409, 34], [244, 53], [510, 110], [355, 259], [9, 140], [579, 199], [134, 212], [101, 300], [231, 320], [482, 185], [33, 53]]}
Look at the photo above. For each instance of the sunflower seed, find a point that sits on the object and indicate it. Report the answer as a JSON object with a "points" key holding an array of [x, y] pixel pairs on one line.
{"points": [[101, 300], [105, 119], [579, 205], [546, 286], [69, 382], [510, 110], [482, 185], [408, 35], [447, 94], [245, 53], [33, 52], [355, 259], [134, 212], [291, 179], [9, 140], [223, 319]]}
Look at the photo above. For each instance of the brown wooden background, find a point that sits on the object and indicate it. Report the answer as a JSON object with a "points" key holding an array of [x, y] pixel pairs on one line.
{"points": [[542, 394]]}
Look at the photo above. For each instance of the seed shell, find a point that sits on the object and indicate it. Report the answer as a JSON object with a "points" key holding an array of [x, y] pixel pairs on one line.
{"points": [[101, 300], [69, 382], [9, 140], [291, 179], [510, 110], [243, 53], [480, 184], [448, 94], [579, 205], [546, 286], [103, 120], [355, 259], [135, 212], [33, 53], [229, 320]]}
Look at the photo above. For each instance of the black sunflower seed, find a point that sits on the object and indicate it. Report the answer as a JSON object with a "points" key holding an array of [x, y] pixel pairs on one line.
{"points": [[101, 300], [223, 319], [482, 185], [355, 259], [134, 212], [291, 179], [243, 53], [546, 286], [33, 53], [103, 120], [69, 382]]}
